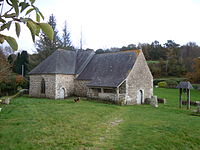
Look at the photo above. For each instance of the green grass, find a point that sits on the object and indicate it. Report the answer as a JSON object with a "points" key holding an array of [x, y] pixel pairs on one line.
{"points": [[153, 61], [31, 123], [172, 78], [172, 96]]}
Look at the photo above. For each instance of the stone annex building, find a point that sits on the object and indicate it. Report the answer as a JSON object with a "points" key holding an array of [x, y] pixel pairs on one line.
{"points": [[119, 76]]}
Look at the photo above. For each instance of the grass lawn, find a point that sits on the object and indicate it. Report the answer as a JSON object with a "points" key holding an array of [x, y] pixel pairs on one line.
{"points": [[152, 61], [31, 123]]}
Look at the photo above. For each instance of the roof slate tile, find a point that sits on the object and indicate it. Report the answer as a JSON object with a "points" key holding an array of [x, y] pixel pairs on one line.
{"points": [[102, 70]]}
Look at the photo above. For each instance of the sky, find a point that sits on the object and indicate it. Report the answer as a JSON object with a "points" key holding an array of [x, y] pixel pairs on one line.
{"points": [[117, 23]]}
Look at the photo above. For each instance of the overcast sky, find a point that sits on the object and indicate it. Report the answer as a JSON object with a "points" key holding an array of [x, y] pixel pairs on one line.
{"points": [[117, 23]]}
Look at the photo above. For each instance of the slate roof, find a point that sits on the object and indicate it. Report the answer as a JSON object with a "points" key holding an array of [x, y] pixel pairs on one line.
{"points": [[108, 69], [184, 85], [61, 61], [83, 57], [102, 70]]}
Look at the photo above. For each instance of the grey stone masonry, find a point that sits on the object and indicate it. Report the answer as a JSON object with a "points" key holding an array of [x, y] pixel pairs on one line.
{"points": [[35, 85], [80, 88], [108, 94], [121, 77], [53, 85], [139, 78], [66, 82]]}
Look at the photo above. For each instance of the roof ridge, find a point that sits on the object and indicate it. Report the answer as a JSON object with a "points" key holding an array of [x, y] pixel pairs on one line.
{"points": [[57, 57], [61, 49], [123, 51], [86, 62]]}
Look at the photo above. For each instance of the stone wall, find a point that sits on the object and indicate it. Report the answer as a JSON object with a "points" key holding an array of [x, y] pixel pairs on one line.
{"points": [[80, 88], [122, 88], [139, 78], [35, 86], [53, 85], [108, 96], [66, 82], [99, 93]]}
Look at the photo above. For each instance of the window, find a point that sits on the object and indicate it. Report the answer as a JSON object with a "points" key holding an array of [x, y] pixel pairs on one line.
{"points": [[97, 90], [43, 86], [109, 90]]}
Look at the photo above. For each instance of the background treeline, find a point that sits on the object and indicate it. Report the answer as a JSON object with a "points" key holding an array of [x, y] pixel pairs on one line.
{"points": [[168, 59], [165, 60]]}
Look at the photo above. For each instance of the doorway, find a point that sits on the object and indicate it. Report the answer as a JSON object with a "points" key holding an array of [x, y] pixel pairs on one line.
{"points": [[62, 93], [139, 97]]}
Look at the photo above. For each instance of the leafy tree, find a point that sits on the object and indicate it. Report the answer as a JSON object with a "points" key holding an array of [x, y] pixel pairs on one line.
{"points": [[11, 58], [13, 15], [156, 51], [187, 53], [99, 51], [173, 49], [17, 65], [8, 85], [194, 76], [5, 70], [155, 70], [145, 49], [175, 68], [33, 61], [171, 44], [66, 41], [22, 60], [129, 47], [174, 65], [25, 62], [44, 45]]}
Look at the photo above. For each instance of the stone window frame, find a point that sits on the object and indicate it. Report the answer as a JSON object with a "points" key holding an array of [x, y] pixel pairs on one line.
{"points": [[43, 86]]}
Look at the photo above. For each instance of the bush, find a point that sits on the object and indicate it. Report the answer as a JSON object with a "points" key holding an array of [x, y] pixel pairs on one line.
{"points": [[8, 87], [171, 83], [156, 81], [13, 84], [162, 84], [196, 86]]}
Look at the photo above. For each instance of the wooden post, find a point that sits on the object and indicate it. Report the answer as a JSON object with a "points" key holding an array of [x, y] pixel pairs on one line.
{"points": [[102, 90], [180, 97], [117, 91], [188, 98]]}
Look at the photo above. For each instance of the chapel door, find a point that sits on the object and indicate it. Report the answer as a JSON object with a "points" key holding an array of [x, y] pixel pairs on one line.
{"points": [[139, 97], [62, 93]]}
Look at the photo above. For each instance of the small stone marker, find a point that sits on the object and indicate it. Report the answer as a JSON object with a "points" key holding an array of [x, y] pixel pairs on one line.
{"points": [[165, 101], [198, 108], [154, 101], [6, 101], [147, 101], [0, 109]]}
